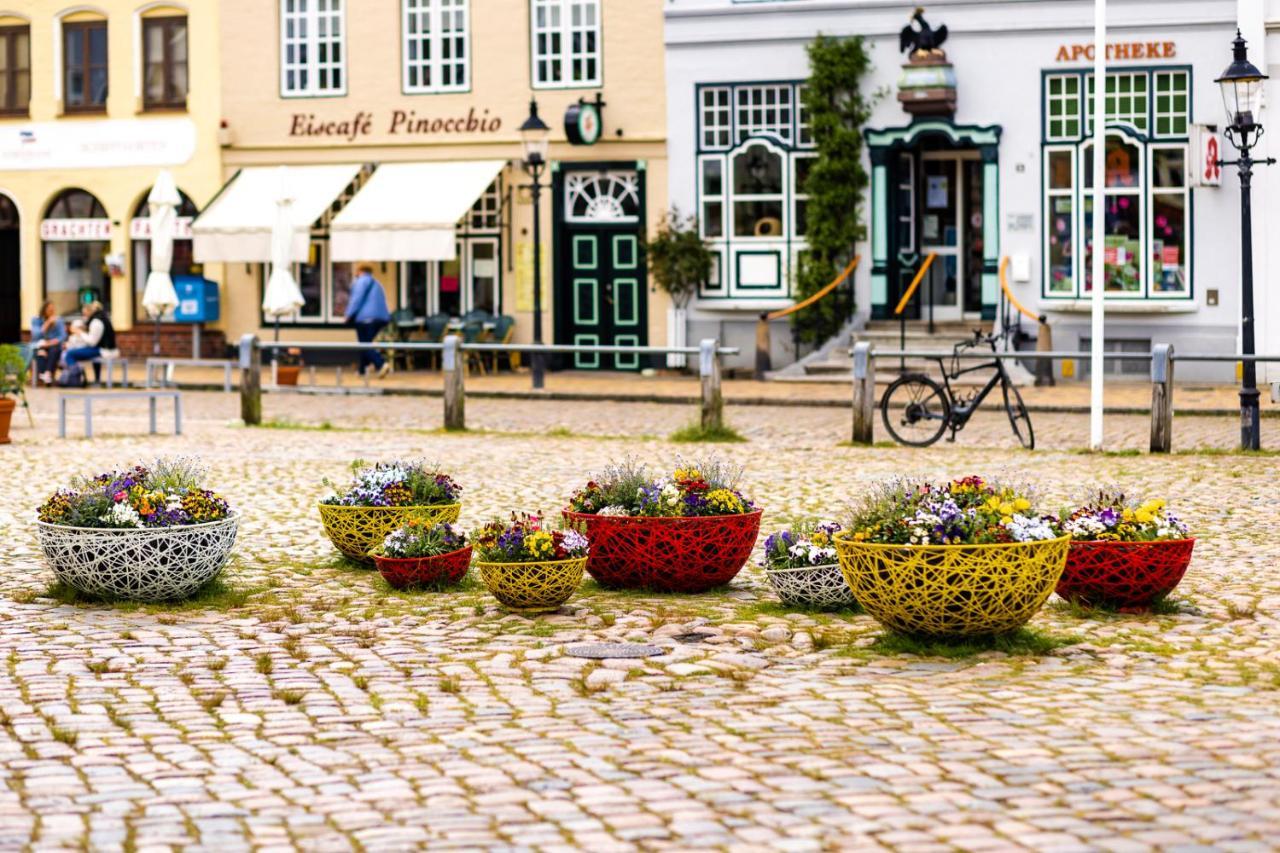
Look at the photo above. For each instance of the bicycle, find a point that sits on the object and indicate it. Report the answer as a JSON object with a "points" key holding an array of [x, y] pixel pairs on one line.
{"points": [[917, 410]]}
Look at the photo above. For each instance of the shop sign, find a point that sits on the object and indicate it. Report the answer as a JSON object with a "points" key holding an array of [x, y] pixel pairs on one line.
{"points": [[394, 123], [75, 230], [140, 228], [1206, 170], [1119, 50], [97, 144]]}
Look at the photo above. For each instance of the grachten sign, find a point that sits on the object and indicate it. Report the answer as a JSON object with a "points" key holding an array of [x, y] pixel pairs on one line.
{"points": [[75, 230]]}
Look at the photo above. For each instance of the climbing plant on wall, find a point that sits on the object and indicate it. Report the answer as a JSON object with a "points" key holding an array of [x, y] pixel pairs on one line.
{"points": [[837, 109]]}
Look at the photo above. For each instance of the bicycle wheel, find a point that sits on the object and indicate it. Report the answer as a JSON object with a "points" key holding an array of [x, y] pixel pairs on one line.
{"points": [[915, 410], [1019, 418]]}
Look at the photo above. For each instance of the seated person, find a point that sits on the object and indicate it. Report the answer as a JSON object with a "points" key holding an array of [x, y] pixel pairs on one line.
{"points": [[48, 338]]}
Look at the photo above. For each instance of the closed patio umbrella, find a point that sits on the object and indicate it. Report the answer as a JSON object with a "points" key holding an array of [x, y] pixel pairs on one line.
{"points": [[159, 297], [282, 295]]}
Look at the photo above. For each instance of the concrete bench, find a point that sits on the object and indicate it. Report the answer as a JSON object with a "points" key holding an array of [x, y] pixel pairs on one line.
{"points": [[168, 365], [89, 396]]}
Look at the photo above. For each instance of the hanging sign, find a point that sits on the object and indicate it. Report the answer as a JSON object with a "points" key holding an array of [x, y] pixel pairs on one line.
{"points": [[584, 121], [1206, 170], [75, 230]]}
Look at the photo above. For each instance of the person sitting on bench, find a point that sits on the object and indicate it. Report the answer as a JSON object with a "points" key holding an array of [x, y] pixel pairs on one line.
{"points": [[99, 341]]}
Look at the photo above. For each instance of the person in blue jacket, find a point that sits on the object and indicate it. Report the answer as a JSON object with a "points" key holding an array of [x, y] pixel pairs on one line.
{"points": [[367, 311]]}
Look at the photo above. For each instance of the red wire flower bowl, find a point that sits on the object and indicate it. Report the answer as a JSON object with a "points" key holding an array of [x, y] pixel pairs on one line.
{"points": [[1124, 574], [667, 554], [442, 569]]}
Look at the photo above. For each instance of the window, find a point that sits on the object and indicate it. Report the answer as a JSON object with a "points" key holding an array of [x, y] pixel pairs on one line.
{"points": [[1148, 202], [312, 48], [436, 54], [84, 51], [800, 165], [717, 123], [471, 282], [611, 196], [757, 192], [713, 193], [164, 46], [15, 70], [566, 43], [730, 115], [486, 213], [764, 110]]}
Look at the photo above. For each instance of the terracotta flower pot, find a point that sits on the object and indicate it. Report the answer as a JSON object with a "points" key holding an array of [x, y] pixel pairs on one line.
{"points": [[404, 572], [6, 415], [287, 374], [691, 554], [952, 591], [1124, 574]]}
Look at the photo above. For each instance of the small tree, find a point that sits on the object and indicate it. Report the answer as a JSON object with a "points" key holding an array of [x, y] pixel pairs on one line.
{"points": [[679, 260]]}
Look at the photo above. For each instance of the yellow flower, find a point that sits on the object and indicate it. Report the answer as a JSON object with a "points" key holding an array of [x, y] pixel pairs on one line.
{"points": [[1143, 515], [1127, 515], [725, 501], [1022, 504], [540, 544], [1005, 519]]}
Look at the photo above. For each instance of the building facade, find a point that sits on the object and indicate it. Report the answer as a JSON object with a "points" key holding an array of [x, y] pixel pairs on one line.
{"points": [[1007, 176], [399, 122], [95, 99]]}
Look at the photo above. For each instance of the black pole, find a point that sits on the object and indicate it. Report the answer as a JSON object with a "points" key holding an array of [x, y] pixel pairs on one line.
{"points": [[535, 171], [1250, 430]]}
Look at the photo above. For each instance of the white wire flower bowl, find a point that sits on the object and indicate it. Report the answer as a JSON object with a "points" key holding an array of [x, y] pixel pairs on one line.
{"points": [[818, 587], [139, 564]]}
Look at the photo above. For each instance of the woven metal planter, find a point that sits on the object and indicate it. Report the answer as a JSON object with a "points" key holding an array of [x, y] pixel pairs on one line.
{"points": [[818, 587], [357, 530], [952, 591], [1124, 574], [692, 554], [405, 572], [533, 586], [140, 564]]}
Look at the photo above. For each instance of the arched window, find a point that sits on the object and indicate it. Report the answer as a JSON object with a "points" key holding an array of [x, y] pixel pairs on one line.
{"points": [[76, 232], [758, 194], [75, 204]]}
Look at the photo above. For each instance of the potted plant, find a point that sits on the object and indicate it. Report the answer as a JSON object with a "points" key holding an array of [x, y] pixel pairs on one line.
{"points": [[679, 261], [1124, 553], [687, 531], [13, 371], [288, 366], [801, 565], [528, 567], [384, 497], [423, 555], [958, 559], [147, 534]]}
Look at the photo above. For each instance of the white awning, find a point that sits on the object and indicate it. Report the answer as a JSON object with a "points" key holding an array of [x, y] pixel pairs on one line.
{"points": [[409, 211], [236, 226]]}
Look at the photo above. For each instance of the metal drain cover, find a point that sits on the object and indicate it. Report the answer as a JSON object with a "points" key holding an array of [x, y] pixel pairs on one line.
{"points": [[692, 637], [613, 650]]}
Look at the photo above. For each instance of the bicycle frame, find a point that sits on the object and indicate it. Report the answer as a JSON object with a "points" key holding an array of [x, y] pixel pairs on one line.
{"points": [[962, 411]]}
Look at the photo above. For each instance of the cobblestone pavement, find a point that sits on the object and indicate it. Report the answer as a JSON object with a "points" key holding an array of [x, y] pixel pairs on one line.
{"points": [[311, 707]]}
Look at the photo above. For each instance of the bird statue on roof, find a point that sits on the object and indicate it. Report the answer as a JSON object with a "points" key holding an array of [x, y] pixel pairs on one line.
{"points": [[918, 37]]}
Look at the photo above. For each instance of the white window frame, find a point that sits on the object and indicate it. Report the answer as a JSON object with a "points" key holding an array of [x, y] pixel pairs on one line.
{"points": [[721, 198], [436, 14], [1068, 192], [1185, 192], [1113, 116], [1064, 98], [797, 195], [731, 218], [757, 99], [559, 22], [311, 17], [1157, 114], [716, 111]]}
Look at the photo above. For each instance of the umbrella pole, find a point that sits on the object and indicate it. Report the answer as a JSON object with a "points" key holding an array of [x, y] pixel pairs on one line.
{"points": [[155, 341]]}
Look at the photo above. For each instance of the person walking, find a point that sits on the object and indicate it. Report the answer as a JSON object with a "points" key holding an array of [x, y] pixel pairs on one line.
{"points": [[367, 311], [99, 341], [48, 337]]}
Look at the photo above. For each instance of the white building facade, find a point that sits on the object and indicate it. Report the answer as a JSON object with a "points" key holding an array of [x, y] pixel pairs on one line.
{"points": [[1006, 179]]}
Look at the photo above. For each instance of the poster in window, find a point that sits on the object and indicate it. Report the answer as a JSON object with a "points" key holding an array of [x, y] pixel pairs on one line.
{"points": [[936, 191], [930, 227]]}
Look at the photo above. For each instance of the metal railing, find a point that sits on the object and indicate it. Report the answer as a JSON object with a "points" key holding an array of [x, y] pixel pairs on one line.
{"points": [[764, 342], [1161, 358], [454, 368]]}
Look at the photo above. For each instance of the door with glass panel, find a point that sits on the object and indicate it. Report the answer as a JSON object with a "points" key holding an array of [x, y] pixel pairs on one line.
{"points": [[950, 222]]}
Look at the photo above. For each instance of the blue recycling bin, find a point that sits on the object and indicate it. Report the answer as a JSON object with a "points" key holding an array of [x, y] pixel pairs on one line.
{"points": [[198, 300]]}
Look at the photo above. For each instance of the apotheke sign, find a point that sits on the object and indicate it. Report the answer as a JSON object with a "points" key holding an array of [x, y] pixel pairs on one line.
{"points": [[1120, 50]]}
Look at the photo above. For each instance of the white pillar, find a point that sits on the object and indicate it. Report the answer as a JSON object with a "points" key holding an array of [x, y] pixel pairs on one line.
{"points": [[1098, 327]]}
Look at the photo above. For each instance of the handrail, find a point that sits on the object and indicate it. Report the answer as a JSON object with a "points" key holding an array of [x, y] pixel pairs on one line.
{"points": [[836, 282], [915, 283], [1004, 285]]}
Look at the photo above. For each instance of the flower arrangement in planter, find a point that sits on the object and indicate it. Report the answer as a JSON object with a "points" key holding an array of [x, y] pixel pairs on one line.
{"points": [[801, 565], [146, 534], [288, 366], [527, 566], [382, 498], [1124, 553], [957, 559], [423, 555], [687, 531]]}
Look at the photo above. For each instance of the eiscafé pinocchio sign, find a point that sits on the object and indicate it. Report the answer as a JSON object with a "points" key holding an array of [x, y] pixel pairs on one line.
{"points": [[1119, 50]]}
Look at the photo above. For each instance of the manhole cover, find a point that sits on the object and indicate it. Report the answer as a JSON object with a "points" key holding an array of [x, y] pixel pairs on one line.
{"points": [[692, 637], [613, 650]]}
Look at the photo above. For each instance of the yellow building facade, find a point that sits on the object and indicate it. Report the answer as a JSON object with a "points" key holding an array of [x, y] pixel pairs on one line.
{"points": [[392, 117], [96, 99]]}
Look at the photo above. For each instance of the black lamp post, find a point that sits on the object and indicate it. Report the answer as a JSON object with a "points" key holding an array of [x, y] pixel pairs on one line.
{"points": [[1242, 94], [534, 133]]}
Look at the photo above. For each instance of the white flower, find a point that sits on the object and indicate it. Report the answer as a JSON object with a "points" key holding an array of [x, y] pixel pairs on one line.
{"points": [[122, 515], [822, 556], [614, 510], [1024, 529]]}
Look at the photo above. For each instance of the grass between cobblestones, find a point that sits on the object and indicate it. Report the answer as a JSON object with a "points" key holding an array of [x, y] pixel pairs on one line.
{"points": [[1024, 642], [696, 433]]}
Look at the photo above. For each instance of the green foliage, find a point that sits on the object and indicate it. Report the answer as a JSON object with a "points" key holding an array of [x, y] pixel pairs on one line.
{"points": [[696, 433], [1019, 643], [678, 258], [837, 181], [12, 371]]}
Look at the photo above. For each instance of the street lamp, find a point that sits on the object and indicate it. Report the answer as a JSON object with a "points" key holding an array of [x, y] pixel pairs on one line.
{"points": [[1242, 95], [533, 134]]}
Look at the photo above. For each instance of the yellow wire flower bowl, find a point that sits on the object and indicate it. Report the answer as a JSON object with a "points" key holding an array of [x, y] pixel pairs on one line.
{"points": [[533, 586], [952, 590], [356, 530]]}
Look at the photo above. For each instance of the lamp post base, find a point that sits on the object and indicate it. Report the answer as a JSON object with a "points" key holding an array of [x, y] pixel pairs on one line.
{"points": [[1250, 428]]}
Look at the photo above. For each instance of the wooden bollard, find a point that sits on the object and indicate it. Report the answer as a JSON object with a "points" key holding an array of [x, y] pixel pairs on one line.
{"points": [[712, 405], [250, 381], [455, 400], [1161, 398], [864, 393]]}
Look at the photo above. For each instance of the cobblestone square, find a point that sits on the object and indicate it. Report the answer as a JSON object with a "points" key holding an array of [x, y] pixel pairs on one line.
{"points": [[311, 707]]}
